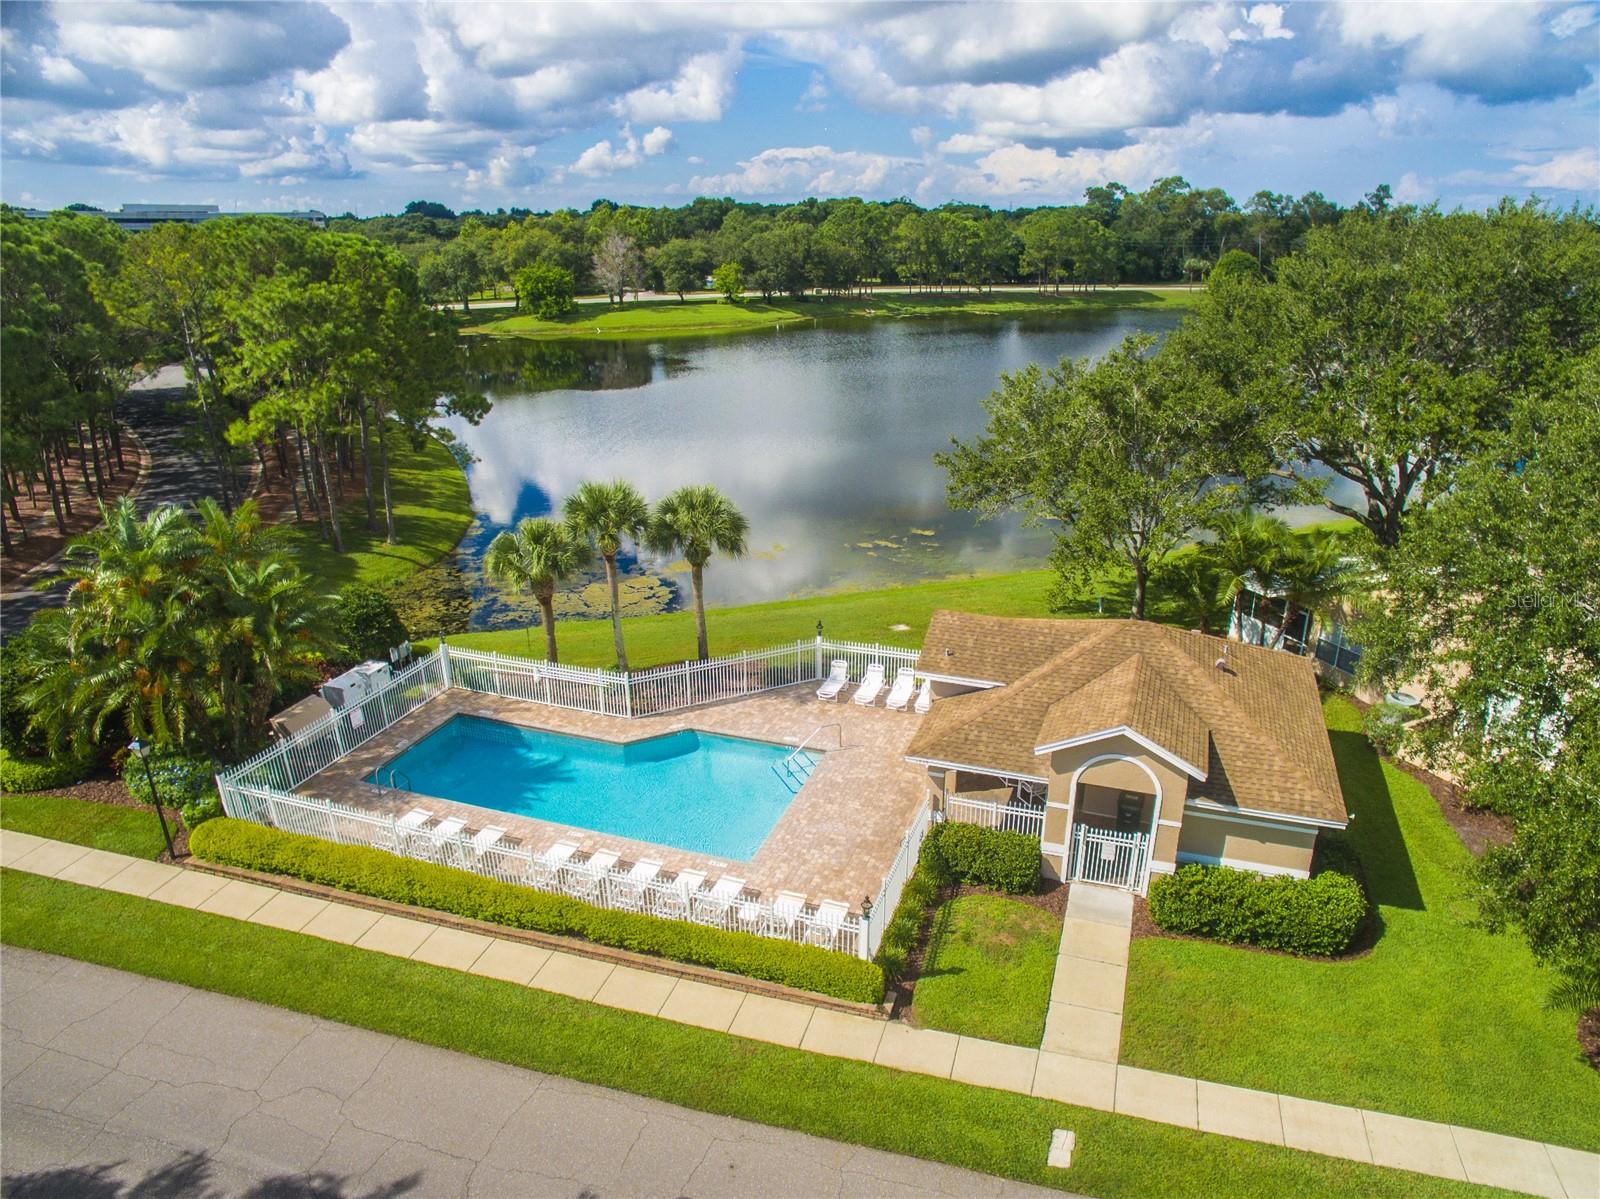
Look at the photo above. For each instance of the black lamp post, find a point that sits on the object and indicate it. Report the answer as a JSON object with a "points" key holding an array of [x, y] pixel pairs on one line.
{"points": [[143, 752]]}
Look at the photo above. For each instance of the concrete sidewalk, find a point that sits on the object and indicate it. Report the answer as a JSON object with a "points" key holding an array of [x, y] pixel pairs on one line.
{"points": [[1399, 1142], [113, 1081]]}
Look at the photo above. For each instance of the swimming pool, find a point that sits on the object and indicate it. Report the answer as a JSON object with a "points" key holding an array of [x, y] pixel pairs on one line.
{"points": [[688, 790]]}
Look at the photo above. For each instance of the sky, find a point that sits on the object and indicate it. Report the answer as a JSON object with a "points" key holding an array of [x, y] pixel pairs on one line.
{"points": [[364, 107]]}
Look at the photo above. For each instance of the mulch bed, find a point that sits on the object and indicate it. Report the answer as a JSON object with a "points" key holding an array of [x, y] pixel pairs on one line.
{"points": [[1589, 1036], [109, 789]]}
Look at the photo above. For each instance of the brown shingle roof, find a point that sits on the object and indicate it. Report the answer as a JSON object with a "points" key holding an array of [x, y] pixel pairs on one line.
{"points": [[1254, 730]]}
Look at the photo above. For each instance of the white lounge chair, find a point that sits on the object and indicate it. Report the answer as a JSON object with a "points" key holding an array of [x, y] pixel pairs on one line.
{"points": [[786, 909], [838, 677], [924, 698], [905, 682], [712, 907], [630, 891], [485, 842], [676, 900], [440, 844], [407, 827], [871, 684], [824, 930], [586, 880], [544, 871]]}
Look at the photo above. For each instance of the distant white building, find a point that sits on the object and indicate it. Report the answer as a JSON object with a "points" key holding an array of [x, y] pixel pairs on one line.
{"points": [[137, 217]]}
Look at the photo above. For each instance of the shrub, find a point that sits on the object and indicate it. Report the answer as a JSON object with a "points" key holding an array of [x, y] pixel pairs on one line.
{"points": [[988, 857], [366, 624], [1319, 916], [546, 290], [921, 890], [18, 773], [15, 717], [382, 875], [1385, 726], [187, 783]]}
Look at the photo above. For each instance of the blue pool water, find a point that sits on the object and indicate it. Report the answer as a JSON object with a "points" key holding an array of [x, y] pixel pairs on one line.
{"points": [[694, 791]]}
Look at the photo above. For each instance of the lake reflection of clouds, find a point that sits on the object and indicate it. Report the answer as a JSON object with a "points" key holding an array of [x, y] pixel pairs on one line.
{"points": [[824, 437]]}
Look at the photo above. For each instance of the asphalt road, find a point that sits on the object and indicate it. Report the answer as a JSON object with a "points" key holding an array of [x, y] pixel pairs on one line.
{"points": [[117, 1086], [178, 474]]}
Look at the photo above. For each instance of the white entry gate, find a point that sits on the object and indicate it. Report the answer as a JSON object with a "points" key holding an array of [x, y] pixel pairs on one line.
{"points": [[1107, 856]]}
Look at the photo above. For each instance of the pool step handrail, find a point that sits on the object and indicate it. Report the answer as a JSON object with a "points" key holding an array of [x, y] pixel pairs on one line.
{"points": [[401, 774], [799, 763]]}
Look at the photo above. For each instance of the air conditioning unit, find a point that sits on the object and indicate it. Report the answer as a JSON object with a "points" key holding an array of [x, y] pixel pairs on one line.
{"points": [[353, 686]]}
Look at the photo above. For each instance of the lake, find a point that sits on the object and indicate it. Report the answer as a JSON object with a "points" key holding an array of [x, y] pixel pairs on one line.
{"points": [[823, 435]]}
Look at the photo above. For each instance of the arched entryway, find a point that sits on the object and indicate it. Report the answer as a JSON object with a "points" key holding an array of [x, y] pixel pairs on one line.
{"points": [[1116, 801]]}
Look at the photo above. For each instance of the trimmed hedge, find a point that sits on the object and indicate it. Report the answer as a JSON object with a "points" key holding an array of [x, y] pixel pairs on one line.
{"points": [[920, 893], [39, 774], [988, 857], [1318, 916], [382, 875]]}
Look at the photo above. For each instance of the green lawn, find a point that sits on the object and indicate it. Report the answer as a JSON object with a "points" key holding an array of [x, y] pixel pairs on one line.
{"points": [[102, 826], [695, 318], [988, 970], [432, 509], [1441, 1020], [851, 1101]]}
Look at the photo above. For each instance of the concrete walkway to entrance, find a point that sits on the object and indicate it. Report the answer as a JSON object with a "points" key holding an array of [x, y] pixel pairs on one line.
{"points": [[117, 1085], [1085, 1017], [1444, 1150]]}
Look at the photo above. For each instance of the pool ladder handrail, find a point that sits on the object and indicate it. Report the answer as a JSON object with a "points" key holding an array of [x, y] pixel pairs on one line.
{"points": [[402, 774], [790, 769]]}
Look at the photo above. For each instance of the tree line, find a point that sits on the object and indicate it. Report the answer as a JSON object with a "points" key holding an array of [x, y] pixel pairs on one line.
{"points": [[306, 352], [1444, 369], [1169, 231]]}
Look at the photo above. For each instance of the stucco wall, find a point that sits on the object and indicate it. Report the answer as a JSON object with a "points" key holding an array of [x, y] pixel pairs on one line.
{"points": [[1108, 778], [1277, 849]]}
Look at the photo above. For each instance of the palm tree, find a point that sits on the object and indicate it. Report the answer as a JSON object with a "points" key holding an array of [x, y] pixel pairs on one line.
{"points": [[697, 521], [1245, 550], [271, 623], [1195, 583], [537, 555], [1309, 573], [606, 513]]}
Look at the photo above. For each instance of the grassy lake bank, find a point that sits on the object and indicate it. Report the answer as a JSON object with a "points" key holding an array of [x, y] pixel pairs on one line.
{"points": [[698, 317]]}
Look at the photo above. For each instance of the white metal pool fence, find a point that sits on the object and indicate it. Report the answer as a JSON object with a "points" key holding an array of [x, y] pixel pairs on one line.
{"points": [[260, 788], [290, 761], [666, 896], [1014, 816]]}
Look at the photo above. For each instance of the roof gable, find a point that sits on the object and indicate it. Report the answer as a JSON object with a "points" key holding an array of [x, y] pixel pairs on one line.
{"points": [[1250, 733]]}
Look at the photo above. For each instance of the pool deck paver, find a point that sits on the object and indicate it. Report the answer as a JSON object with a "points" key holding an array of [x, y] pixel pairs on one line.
{"points": [[836, 840], [1393, 1141]]}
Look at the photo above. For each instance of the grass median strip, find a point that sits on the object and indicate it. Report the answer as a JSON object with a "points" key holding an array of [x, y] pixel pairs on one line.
{"points": [[925, 1117]]}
